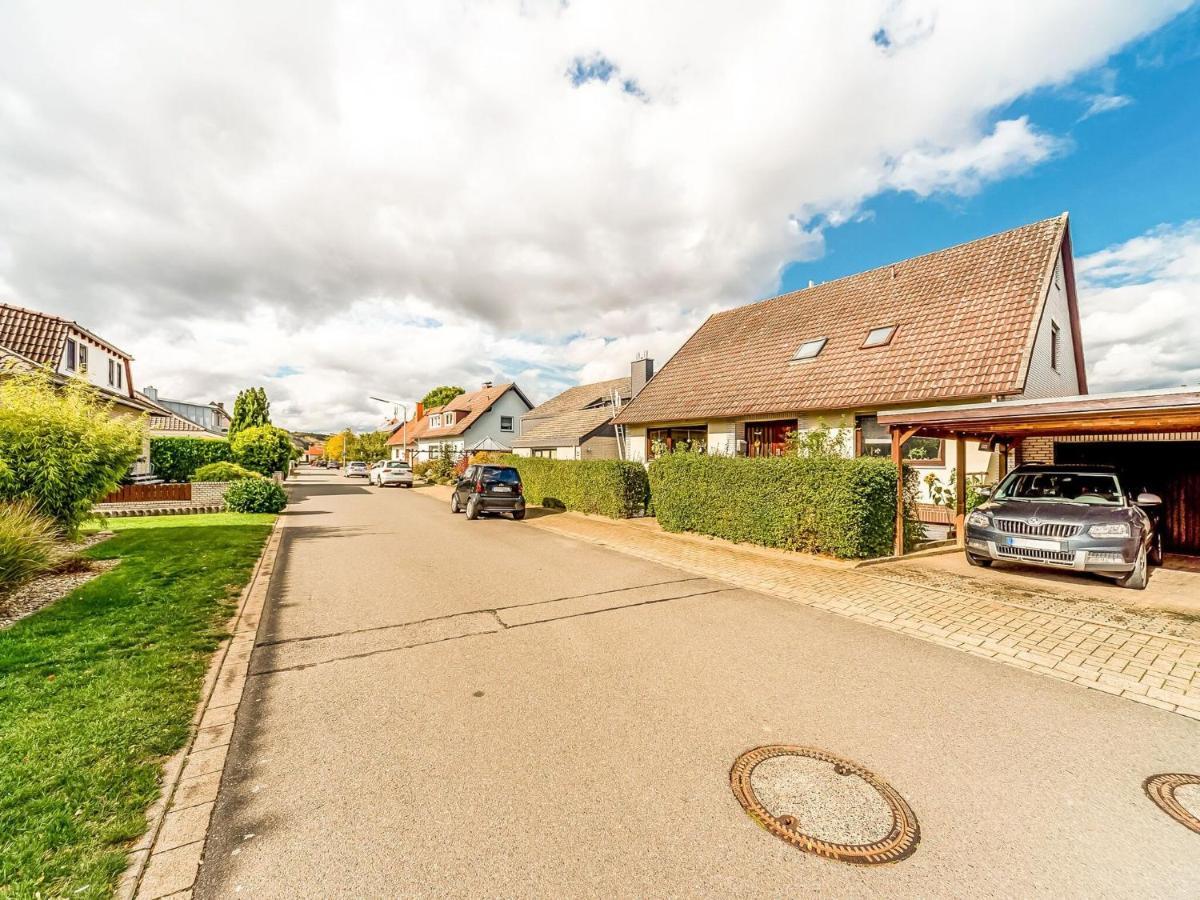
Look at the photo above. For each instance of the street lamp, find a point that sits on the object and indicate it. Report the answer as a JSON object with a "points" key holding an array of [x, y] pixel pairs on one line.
{"points": [[404, 424]]}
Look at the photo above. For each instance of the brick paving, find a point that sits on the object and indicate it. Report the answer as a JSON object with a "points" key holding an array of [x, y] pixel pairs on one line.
{"points": [[1149, 659]]}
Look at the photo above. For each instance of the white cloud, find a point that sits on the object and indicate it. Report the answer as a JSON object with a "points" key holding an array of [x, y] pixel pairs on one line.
{"points": [[1140, 309], [234, 188]]}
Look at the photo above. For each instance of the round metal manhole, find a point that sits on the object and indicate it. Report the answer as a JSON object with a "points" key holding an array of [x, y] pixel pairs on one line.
{"points": [[824, 804], [1178, 796]]}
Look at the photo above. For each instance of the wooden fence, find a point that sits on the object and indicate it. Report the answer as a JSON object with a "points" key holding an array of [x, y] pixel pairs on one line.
{"points": [[150, 493]]}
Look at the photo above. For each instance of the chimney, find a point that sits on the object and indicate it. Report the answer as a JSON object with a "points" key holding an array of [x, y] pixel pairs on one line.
{"points": [[487, 385], [420, 411], [641, 371], [151, 392]]}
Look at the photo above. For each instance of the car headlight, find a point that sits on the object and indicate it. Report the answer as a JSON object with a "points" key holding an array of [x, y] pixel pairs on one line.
{"points": [[1117, 529], [979, 520]]}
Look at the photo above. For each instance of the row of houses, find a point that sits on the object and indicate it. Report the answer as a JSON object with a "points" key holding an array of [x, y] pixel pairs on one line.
{"points": [[992, 323], [30, 339], [992, 319]]}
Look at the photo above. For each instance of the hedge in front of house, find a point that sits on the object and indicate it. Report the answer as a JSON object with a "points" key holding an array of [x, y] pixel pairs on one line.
{"points": [[607, 487], [822, 504], [178, 458]]}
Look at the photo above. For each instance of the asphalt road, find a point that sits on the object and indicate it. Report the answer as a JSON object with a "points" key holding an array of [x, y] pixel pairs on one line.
{"points": [[453, 708]]}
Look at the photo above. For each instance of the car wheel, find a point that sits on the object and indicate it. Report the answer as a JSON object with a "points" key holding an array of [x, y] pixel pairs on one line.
{"points": [[980, 561], [454, 507], [472, 509], [1136, 580], [1156, 550], [518, 515]]}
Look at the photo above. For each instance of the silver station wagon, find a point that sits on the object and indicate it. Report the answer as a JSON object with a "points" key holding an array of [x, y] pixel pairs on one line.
{"points": [[1080, 518]]}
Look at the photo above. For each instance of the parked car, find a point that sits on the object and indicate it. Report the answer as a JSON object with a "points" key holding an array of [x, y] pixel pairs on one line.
{"points": [[1080, 518], [373, 470], [356, 469], [392, 471], [485, 489]]}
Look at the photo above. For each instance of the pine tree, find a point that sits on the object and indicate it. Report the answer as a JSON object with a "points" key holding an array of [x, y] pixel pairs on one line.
{"points": [[251, 408]]}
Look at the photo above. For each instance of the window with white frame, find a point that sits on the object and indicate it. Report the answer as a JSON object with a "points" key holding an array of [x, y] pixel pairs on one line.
{"points": [[506, 423], [83, 357], [71, 349], [435, 421], [448, 419]]}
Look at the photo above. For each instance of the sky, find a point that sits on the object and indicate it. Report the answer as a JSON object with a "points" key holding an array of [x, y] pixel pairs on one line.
{"points": [[340, 200]]}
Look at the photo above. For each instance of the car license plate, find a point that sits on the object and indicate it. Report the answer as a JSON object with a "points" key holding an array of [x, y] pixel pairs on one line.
{"points": [[502, 489], [1029, 544]]}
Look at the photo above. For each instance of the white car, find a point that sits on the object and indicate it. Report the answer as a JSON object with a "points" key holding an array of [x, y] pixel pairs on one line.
{"points": [[373, 472], [394, 471], [356, 469]]}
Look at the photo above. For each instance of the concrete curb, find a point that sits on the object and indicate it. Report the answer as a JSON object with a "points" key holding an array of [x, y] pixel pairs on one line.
{"points": [[166, 861]]}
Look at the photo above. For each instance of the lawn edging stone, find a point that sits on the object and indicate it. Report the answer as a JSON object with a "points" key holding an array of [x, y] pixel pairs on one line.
{"points": [[166, 860]]}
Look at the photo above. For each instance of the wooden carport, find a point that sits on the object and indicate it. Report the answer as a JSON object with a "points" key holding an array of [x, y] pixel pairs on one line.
{"points": [[1004, 424]]}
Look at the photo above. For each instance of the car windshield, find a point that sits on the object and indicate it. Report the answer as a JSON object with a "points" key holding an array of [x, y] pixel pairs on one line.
{"points": [[504, 476], [397, 465], [1095, 489]]}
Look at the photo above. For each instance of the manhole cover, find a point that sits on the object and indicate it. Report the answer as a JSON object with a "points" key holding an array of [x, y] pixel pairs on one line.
{"points": [[1178, 796], [824, 804]]}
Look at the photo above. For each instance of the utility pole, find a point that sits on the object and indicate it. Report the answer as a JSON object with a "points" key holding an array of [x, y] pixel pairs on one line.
{"points": [[403, 424]]}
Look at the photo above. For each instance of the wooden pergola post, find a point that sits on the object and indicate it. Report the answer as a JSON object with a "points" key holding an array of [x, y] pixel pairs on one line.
{"points": [[899, 437], [960, 490]]}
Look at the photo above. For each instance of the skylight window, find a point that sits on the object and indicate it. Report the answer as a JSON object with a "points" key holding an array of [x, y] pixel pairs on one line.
{"points": [[809, 349], [878, 337]]}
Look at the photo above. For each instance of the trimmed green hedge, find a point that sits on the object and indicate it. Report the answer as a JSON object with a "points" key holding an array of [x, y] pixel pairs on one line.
{"points": [[177, 458], [223, 471], [607, 487], [841, 507]]}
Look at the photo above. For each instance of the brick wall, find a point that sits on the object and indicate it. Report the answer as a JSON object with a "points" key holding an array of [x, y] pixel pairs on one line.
{"points": [[205, 495], [1036, 450]]}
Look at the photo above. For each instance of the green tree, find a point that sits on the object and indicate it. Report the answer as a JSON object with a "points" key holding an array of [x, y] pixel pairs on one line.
{"points": [[250, 409], [262, 448], [370, 447], [440, 396], [63, 448]]}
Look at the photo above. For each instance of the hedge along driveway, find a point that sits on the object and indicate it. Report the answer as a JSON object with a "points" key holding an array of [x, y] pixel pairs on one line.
{"points": [[177, 458], [607, 487], [842, 507], [98, 689]]}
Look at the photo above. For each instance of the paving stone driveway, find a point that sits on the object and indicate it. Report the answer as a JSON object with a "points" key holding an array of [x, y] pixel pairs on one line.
{"points": [[1147, 658]]}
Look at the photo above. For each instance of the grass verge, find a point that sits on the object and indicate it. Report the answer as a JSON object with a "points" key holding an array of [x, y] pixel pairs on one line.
{"points": [[98, 689]]}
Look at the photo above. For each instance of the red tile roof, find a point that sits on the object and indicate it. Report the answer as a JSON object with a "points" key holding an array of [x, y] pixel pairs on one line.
{"points": [[39, 335], [966, 320]]}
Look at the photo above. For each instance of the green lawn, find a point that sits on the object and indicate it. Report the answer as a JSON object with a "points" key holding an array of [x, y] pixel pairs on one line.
{"points": [[98, 689]]}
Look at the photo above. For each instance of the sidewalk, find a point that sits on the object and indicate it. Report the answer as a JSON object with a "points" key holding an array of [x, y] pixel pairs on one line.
{"points": [[1159, 667]]}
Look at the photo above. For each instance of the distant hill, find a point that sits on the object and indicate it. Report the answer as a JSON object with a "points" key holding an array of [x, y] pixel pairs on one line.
{"points": [[311, 437]]}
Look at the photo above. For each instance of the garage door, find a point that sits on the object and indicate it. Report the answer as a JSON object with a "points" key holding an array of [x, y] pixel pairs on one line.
{"points": [[1170, 469]]}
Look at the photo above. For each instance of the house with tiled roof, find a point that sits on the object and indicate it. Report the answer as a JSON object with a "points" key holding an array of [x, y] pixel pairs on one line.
{"points": [[486, 419], [996, 318], [578, 423], [69, 350]]}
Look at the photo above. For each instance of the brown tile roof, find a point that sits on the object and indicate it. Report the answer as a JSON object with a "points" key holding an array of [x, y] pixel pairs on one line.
{"points": [[966, 315], [466, 408], [565, 420], [39, 335]]}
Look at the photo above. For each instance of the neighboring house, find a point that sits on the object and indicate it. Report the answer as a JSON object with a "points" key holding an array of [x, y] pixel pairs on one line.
{"points": [[314, 453], [486, 419], [166, 423], [991, 319], [577, 424], [212, 417], [66, 348]]}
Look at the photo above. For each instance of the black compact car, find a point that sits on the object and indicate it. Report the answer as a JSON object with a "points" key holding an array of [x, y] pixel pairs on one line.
{"points": [[489, 489]]}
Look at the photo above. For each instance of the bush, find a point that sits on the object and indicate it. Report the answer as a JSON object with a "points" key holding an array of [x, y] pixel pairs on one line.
{"points": [[263, 448], [178, 458], [63, 448], [607, 487], [822, 504], [421, 468], [223, 471], [255, 495], [30, 544]]}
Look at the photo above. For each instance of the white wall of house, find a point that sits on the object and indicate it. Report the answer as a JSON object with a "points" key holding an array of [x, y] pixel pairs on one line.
{"points": [[635, 443], [722, 437], [97, 369], [1045, 379]]}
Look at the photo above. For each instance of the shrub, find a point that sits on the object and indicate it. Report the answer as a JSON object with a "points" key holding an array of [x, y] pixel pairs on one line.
{"points": [[30, 544], [262, 448], [63, 448], [223, 471], [608, 487], [255, 495], [421, 468], [442, 467], [178, 458], [820, 504]]}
